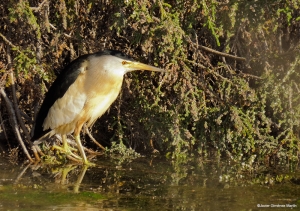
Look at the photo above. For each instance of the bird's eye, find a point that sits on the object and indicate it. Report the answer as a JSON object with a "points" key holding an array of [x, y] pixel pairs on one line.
{"points": [[124, 62]]}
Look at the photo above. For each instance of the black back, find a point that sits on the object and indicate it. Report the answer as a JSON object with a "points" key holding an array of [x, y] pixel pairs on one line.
{"points": [[113, 53], [60, 86]]}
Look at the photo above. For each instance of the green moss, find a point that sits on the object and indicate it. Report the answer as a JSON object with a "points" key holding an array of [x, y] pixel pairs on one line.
{"points": [[27, 198]]}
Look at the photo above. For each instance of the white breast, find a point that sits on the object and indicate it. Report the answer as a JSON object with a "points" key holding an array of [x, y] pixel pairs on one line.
{"points": [[67, 108], [105, 81], [101, 105]]}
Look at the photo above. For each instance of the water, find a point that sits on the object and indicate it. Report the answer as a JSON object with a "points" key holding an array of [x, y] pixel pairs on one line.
{"points": [[147, 184]]}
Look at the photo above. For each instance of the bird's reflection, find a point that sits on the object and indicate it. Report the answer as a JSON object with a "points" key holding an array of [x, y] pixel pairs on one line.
{"points": [[61, 174]]}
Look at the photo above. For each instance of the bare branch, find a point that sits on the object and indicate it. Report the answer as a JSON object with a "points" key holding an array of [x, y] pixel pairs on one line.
{"points": [[53, 27], [214, 51], [17, 110], [14, 124], [92, 138], [36, 9], [7, 41]]}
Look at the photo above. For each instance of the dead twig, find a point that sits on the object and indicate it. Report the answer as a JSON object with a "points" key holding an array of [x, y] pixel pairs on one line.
{"points": [[3, 129], [22, 173], [7, 41], [14, 123], [221, 53], [92, 138], [37, 151], [53, 27], [36, 9], [214, 51], [17, 110]]}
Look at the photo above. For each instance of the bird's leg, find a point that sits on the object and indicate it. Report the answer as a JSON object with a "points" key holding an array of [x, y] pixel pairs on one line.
{"points": [[80, 147], [65, 143], [77, 139], [66, 146]]}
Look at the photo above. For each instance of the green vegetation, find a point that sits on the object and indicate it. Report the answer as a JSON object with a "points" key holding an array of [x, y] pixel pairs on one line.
{"points": [[29, 198], [232, 81]]}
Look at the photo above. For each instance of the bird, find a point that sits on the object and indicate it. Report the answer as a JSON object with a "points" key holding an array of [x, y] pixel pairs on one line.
{"points": [[82, 93]]}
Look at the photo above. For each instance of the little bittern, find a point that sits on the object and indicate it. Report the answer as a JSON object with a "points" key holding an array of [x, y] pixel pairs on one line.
{"points": [[82, 92]]}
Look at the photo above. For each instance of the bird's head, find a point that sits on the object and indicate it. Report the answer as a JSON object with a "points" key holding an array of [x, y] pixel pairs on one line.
{"points": [[119, 63]]}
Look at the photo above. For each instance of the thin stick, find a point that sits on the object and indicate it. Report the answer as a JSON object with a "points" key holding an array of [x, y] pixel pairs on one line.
{"points": [[4, 131], [215, 51], [92, 138], [17, 110], [14, 124], [221, 53], [22, 173], [36, 150], [36, 9], [7, 41], [53, 27]]}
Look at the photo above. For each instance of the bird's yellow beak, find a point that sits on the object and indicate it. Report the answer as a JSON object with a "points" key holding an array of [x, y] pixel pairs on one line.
{"points": [[140, 66]]}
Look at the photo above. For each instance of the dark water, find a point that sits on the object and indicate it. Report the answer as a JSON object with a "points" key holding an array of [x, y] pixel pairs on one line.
{"points": [[148, 184]]}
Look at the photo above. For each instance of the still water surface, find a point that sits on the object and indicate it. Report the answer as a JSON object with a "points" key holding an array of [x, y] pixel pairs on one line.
{"points": [[147, 184]]}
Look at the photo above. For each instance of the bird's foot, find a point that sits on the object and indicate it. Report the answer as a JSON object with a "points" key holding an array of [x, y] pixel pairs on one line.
{"points": [[68, 151], [88, 163], [72, 156]]}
